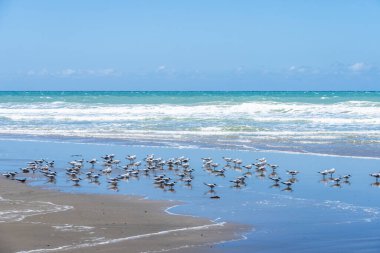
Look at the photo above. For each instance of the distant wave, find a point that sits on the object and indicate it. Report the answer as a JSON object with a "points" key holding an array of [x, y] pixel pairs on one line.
{"points": [[340, 113], [227, 120]]}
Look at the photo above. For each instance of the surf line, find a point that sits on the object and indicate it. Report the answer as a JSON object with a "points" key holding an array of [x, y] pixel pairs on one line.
{"points": [[105, 242]]}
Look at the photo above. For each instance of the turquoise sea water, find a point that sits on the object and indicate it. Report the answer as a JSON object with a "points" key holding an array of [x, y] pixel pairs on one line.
{"points": [[342, 123]]}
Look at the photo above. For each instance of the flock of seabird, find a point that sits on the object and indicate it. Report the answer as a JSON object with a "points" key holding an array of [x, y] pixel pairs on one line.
{"points": [[179, 167], [327, 176]]}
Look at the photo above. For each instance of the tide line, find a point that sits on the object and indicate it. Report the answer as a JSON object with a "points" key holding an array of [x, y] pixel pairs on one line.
{"points": [[110, 241]]}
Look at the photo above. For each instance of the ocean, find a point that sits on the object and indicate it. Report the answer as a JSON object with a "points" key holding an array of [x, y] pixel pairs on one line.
{"points": [[333, 123], [287, 128]]}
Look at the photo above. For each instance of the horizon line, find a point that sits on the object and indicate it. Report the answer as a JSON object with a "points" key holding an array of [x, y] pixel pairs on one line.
{"points": [[189, 90]]}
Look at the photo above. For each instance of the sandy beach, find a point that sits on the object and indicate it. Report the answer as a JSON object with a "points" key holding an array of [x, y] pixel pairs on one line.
{"points": [[141, 216], [101, 223]]}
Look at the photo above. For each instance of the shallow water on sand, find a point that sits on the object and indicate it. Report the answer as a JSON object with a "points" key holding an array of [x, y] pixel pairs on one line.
{"points": [[315, 216]]}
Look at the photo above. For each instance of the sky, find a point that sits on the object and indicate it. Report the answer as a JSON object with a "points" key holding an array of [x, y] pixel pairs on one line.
{"points": [[190, 45]]}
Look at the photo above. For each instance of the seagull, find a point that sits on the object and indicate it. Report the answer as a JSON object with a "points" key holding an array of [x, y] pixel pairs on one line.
{"points": [[375, 175], [323, 172], [205, 159], [287, 183], [25, 170], [292, 172], [92, 162], [262, 160], [227, 159], [107, 170], [137, 164], [242, 179], [331, 172], [261, 169], [10, 174], [259, 164], [210, 185], [287, 189], [131, 158], [170, 184], [125, 176], [275, 179], [116, 161], [76, 180], [21, 180], [187, 180], [51, 177], [337, 180], [248, 167], [184, 159], [273, 166], [237, 162], [238, 182], [219, 172], [113, 182]]}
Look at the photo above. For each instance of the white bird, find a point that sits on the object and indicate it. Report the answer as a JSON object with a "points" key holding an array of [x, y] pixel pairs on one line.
{"points": [[331, 172], [187, 180], [107, 170], [287, 183], [292, 172], [375, 175], [227, 159], [323, 172], [212, 186], [92, 162], [248, 167], [131, 158]]}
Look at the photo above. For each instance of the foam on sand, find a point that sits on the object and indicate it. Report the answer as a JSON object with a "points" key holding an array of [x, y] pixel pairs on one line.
{"points": [[110, 241], [17, 210]]}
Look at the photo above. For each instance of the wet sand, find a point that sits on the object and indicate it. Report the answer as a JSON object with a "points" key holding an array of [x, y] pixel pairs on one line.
{"points": [[36, 220]]}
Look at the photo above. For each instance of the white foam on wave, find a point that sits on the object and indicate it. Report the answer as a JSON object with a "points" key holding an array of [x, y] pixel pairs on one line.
{"points": [[357, 122], [357, 213], [344, 213], [260, 110], [317, 154], [180, 134], [367, 214]]}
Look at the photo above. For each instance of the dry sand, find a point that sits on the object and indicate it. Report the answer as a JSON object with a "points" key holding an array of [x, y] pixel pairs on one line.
{"points": [[36, 220]]}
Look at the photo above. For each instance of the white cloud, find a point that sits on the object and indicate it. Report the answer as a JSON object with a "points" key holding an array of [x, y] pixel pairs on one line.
{"points": [[166, 71], [40, 72], [301, 69], [107, 72], [359, 67], [239, 70], [67, 72], [297, 69], [161, 68], [70, 72]]}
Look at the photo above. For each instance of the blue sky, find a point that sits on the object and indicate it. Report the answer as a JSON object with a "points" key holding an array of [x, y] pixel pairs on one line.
{"points": [[190, 45]]}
